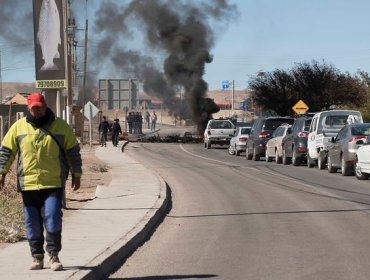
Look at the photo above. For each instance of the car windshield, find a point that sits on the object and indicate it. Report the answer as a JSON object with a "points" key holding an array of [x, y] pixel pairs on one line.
{"points": [[220, 124], [361, 130], [246, 130], [272, 124]]}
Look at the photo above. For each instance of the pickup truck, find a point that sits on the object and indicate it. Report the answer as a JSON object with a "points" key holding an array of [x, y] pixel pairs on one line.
{"points": [[218, 131], [324, 126]]}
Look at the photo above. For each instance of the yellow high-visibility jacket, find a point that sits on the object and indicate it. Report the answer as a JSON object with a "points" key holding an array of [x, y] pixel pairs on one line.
{"points": [[41, 163]]}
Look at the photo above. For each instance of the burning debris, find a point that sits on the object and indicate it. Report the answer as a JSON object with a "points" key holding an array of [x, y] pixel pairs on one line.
{"points": [[154, 137]]}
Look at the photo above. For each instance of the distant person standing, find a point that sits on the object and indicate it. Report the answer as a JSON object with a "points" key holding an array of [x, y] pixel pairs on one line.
{"points": [[147, 118], [153, 121], [103, 129], [116, 131], [130, 121], [140, 119]]}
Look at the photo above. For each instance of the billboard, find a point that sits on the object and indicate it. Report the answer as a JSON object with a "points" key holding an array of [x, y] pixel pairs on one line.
{"points": [[118, 93], [48, 24]]}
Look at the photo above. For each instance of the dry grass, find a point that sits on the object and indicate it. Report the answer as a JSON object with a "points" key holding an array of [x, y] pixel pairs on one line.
{"points": [[11, 211]]}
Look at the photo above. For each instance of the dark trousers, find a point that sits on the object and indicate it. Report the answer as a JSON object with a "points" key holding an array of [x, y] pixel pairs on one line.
{"points": [[115, 139], [43, 209], [103, 138]]}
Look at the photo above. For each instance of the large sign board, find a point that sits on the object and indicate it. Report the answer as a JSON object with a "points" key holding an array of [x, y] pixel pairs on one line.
{"points": [[48, 24], [118, 94]]}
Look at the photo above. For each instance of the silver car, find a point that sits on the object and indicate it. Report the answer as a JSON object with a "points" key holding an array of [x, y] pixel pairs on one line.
{"points": [[238, 143], [274, 148], [342, 152]]}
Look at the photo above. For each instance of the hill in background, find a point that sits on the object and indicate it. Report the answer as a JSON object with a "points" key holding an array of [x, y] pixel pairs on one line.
{"points": [[219, 96], [11, 89]]}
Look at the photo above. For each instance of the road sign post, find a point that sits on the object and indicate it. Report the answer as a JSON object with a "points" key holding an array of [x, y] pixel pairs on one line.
{"points": [[89, 111]]}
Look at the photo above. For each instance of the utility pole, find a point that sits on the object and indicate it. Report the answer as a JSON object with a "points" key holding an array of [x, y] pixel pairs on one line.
{"points": [[232, 94], [84, 83]]}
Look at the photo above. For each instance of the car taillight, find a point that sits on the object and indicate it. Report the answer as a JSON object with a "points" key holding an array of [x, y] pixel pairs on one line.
{"points": [[302, 134], [264, 134], [243, 139], [356, 138]]}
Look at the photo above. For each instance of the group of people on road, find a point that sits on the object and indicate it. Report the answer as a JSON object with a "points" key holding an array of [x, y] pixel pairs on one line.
{"points": [[104, 127], [135, 122]]}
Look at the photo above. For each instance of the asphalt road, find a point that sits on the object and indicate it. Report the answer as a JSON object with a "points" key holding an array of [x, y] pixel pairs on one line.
{"points": [[238, 219]]}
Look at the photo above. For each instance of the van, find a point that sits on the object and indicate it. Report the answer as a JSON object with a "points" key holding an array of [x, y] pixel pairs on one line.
{"points": [[324, 126]]}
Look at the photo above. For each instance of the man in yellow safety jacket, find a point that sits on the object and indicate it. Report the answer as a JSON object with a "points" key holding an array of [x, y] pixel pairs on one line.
{"points": [[47, 150]]}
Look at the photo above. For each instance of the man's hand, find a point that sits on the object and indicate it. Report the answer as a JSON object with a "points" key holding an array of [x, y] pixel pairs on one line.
{"points": [[76, 183], [2, 181]]}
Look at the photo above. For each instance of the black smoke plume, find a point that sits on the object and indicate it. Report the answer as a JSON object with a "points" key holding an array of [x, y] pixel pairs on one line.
{"points": [[177, 38]]}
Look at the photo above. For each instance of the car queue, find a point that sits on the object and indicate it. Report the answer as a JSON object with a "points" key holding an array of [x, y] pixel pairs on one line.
{"points": [[338, 139]]}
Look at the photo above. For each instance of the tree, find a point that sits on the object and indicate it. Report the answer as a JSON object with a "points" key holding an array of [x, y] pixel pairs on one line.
{"points": [[320, 86], [365, 107], [273, 91], [313, 84]]}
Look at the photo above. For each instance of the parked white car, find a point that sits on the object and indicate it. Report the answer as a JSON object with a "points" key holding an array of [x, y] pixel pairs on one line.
{"points": [[362, 161], [274, 145], [218, 132], [238, 143]]}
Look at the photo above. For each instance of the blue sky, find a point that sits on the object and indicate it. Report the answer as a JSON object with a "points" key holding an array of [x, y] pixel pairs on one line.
{"points": [[271, 34], [267, 34]]}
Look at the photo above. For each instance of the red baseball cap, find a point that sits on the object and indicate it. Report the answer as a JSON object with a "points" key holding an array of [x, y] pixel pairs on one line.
{"points": [[36, 99]]}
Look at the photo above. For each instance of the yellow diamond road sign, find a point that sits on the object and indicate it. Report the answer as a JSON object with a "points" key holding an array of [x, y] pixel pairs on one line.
{"points": [[300, 107]]}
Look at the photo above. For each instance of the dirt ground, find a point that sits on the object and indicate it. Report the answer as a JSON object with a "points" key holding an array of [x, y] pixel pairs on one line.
{"points": [[95, 172]]}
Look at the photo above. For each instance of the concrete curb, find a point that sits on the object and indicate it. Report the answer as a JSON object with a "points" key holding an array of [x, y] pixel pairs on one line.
{"points": [[114, 255]]}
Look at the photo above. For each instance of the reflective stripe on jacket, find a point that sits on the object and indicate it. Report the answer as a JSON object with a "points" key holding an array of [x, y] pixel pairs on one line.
{"points": [[41, 164]]}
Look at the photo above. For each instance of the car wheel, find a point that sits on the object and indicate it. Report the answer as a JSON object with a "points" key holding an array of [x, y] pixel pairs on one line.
{"points": [[248, 156], [277, 158], [331, 168], [286, 160], [321, 160], [320, 163], [231, 150], [208, 144], [296, 160], [256, 156], [268, 158], [359, 174], [310, 162], [346, 169], [237, 152]]}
